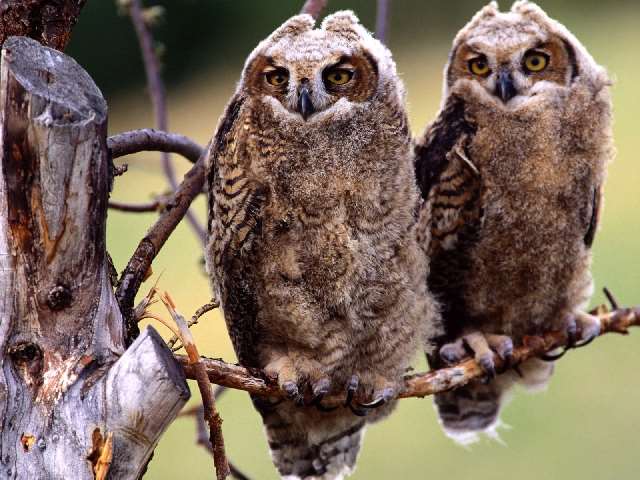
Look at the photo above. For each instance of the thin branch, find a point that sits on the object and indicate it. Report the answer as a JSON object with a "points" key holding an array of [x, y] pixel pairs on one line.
{"points": [[203, 440], [158, 98], [194, 320], [134, 207], [210, 414], [257, 382], [314, 7], [149, 139], [382, 20], [138, 266]]}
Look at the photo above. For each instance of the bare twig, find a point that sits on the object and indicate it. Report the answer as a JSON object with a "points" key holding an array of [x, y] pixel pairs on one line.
{"points": [[382, 20], [314, 7], [149, 139], [203, 440], [134, 207], [257, 382], [210, 414], [158, 98], [138, 266], [194, 320]]}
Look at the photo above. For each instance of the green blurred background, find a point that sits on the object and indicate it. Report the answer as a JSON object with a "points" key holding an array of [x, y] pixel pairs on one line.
{"points": [[584, 426]]}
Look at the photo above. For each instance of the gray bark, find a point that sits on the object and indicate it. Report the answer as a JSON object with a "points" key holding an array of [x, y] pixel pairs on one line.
{"points": [[65, 378]]}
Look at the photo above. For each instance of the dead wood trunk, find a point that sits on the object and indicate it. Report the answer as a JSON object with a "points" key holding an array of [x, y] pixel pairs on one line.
{"points": [[73, 403], [48, 21]]}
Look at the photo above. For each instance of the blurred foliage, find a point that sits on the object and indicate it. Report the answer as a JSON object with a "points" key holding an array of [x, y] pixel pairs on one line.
{"points": [[584, 427], [204, 34]]}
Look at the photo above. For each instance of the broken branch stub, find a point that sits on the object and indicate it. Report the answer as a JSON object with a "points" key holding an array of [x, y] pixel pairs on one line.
{"points": [[73, 403]]}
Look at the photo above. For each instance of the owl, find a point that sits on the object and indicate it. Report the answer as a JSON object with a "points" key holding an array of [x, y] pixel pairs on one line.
{"points": [[511, 172], [313, 251]]}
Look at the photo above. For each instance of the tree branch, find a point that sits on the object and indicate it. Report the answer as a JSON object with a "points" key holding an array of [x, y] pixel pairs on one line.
{"points": [[135, 271], [314, 7], [158, 98], [257, 382], [382, 20], [149, 139], [209, 411], [134, 207]]}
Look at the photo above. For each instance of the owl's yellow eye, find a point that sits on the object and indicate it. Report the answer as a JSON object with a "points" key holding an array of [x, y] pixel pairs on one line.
{"points": [[535, 61], [277, 77], [479, 66], [338, 76]]}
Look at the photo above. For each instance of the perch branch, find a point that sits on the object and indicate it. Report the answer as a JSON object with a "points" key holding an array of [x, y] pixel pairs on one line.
{"points": [[314, 7], [158, 98], [210, 414], [257, 382], [382, 20], [194, 320]]}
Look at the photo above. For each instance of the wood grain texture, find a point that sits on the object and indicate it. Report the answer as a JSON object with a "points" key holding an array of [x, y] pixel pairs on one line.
{"points": [[73, 403]]}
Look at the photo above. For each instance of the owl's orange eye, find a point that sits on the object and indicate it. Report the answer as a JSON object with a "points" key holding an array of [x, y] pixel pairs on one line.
{"points": [[535, 61], [479, 66], [338, 76], [277, 77]]}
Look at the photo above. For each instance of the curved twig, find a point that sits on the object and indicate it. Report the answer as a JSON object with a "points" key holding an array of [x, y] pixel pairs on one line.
{"points": [[158, 98], [134, 207], [149, 139], [257, 382]]}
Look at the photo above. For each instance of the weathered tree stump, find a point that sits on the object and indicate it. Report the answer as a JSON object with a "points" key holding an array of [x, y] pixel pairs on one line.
{"points": [[73, 403]]}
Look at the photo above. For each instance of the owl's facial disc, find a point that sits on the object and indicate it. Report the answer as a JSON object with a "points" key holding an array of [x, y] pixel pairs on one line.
{"points": [[310, 84]]}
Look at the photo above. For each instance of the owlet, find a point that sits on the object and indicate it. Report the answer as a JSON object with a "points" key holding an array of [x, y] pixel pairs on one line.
{"points": [[512, 172], [312, 248]]}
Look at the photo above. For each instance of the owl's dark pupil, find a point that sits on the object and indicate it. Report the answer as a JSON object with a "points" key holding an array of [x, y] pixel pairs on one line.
{"points": [[535, 61]]}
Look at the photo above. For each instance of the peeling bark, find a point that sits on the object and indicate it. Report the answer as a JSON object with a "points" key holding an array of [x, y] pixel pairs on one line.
{"points": [[47, 21], [65, 378]]}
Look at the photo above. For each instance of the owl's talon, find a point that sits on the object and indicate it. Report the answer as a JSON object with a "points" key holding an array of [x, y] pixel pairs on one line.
{"points": [[358, 411], [454, 352], [319, 390], [386, 396], [552, 357], [352, 387], [293, 393], [589, 327]]}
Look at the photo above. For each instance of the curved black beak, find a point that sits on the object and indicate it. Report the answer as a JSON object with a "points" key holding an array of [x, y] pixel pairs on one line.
{"points": [[305, 105], [505, 88]]}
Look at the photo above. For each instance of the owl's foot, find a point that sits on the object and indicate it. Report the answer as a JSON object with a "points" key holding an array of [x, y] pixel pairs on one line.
{"points": [[482, 346], [581, 329], [382, 395]]}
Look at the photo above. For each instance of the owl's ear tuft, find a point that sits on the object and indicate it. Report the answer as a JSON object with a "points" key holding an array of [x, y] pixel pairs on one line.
{"points": [[489, 10], [527, 8], [344, 23], [294, 26]]}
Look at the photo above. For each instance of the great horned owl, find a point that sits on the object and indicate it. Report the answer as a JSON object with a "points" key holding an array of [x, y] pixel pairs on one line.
{"points": [[312, 250], [512, 172]]}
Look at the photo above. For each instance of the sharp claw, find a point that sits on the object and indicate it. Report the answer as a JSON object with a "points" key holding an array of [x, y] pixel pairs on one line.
{"points": [[320, 389], [387, 394], [585, 343], [352, 387], [486, 362], [357, 411], [549, 357]]}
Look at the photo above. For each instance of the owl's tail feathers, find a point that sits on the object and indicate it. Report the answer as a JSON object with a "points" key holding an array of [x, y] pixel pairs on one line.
{"points": [[469, 411], [311, 445]]}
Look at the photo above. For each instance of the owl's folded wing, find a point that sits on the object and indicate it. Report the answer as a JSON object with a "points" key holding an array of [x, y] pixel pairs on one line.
{"points": [[235, 201]]}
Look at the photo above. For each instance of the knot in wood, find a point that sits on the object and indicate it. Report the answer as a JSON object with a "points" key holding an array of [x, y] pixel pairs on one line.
{"points": [[59, 297]]}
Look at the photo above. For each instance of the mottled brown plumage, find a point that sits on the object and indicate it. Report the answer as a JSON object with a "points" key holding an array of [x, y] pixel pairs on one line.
{"points": [[312, 248], [512, 171]]}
